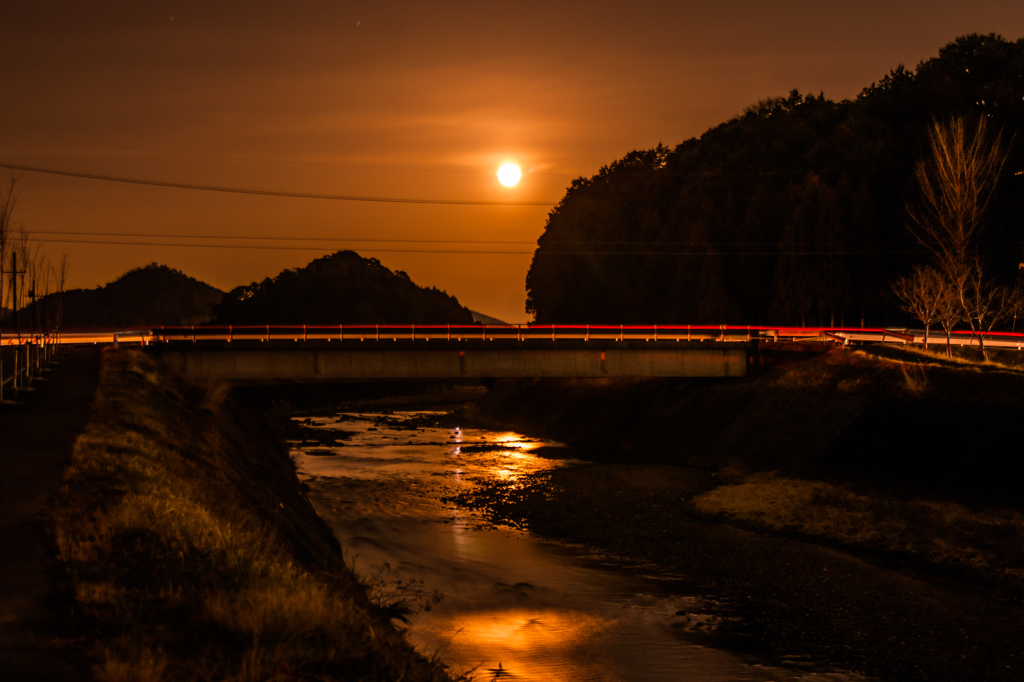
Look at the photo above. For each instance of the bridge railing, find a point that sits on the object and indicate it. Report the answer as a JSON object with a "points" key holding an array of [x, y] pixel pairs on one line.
{"points": [[509, 332], [552, 332], [468, 332], [23, 358]]}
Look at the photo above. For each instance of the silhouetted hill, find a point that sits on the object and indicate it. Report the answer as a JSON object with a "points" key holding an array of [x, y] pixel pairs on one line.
{"points": [[793, 211], [485, 319], [148, 296], [343, 288]]}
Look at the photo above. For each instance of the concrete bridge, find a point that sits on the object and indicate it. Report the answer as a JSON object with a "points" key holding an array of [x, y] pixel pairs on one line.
{"points": [[313, 361], [366, 352], [332, 352]]}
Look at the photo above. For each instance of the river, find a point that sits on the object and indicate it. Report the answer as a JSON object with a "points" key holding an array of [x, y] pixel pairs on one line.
{"points": [[514, 606]]}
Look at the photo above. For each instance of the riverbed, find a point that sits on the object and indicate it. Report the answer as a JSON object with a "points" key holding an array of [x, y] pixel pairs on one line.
{"points": [[499, 602]]}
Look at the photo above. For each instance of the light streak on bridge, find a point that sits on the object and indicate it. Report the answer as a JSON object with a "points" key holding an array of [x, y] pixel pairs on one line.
{"points": [[526, 350], [512, 332]]}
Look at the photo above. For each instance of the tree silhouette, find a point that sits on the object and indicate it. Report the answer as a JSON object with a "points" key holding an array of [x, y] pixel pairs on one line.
{"points": [[143, 297], [8, 201], [957, 181], [926, 295], [794, 208], [342, 288]]}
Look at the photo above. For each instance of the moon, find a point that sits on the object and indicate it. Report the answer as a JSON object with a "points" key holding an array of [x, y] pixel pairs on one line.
{"points": [[509, 174]]}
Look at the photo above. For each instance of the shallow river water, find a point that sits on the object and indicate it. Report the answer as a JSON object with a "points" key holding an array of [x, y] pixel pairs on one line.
{"points": [[514, 606]]}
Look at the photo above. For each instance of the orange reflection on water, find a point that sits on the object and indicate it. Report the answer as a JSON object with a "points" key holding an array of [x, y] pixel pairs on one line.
{"points": [[515, 440], [521, 644]]}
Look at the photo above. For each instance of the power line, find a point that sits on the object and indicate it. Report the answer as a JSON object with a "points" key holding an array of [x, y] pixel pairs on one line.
{"points": [[270, 193], [547, 243], [284, 239], [267, 248], [479, 251], [259, 160]]}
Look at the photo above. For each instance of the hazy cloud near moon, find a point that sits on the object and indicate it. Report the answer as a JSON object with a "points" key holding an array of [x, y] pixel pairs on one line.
{"points": [[459, 86]]}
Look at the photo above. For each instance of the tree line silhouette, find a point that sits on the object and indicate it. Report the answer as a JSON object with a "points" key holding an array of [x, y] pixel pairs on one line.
{"points": [[28, 277], [794, 212], [340, 288]]}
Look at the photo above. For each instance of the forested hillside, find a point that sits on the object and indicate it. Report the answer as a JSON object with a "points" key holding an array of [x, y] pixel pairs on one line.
{"points": [[144, 297], [793, 212], [342, 288]]}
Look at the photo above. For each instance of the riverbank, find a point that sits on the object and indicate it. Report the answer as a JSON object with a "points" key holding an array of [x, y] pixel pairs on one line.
{"points": [[909, 424], [827, 504], [192, 552]]}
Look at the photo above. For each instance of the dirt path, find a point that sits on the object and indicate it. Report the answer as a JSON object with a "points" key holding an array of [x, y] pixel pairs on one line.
{"points": [[36, 440]]}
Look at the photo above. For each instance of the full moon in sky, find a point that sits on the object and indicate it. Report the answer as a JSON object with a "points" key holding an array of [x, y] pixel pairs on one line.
{"points": [[509, 174]]}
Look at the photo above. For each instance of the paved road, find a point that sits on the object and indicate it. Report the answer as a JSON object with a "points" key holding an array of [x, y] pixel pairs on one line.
{"points": [[36, 438]]}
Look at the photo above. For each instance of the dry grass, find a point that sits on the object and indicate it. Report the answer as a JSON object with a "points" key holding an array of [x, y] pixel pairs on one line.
{"points": [[969, 357], [944, 534], [805, 376], [915, 378], [181, 580], [127, 660]]}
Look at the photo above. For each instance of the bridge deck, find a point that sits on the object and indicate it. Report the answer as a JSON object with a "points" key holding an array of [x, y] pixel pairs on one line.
{"points": [[305, 361], [510, 332]]}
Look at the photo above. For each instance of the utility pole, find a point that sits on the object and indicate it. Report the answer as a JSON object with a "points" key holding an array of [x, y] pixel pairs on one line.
{"points": [[14, 272], [2, 273], [32, 330], [35, 310], [14, 289]]}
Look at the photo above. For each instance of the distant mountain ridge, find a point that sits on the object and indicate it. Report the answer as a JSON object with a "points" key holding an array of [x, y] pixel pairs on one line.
{"points": [[342, 288], [149, 296], [485, 319]]}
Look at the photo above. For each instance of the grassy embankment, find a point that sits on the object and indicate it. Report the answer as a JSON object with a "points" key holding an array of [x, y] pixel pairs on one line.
{"points": [[964, 517], [193, 555], [863, 510]]}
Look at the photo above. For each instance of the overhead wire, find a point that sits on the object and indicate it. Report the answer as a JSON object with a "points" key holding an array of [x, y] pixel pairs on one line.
{"points": [[285, 239], [147, 235], [263, 160], [481, 251], [273, 193], [266, 248]]}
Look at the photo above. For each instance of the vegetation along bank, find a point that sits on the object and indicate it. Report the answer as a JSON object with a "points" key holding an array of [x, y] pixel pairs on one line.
{"points": [[192, 552], [850, 510]]}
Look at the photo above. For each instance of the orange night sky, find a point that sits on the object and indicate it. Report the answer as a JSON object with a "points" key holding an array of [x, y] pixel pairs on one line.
{"points": [[413, 100]]}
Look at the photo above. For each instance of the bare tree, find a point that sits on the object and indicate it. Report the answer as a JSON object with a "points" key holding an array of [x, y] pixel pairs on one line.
{"points": [[25, 251], [60, 280], [985, 303], [922, 294], [32, 275], [950, 312], [32, 263], [1017, 299], [957, 182], [8, 202], [42, 281]]}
